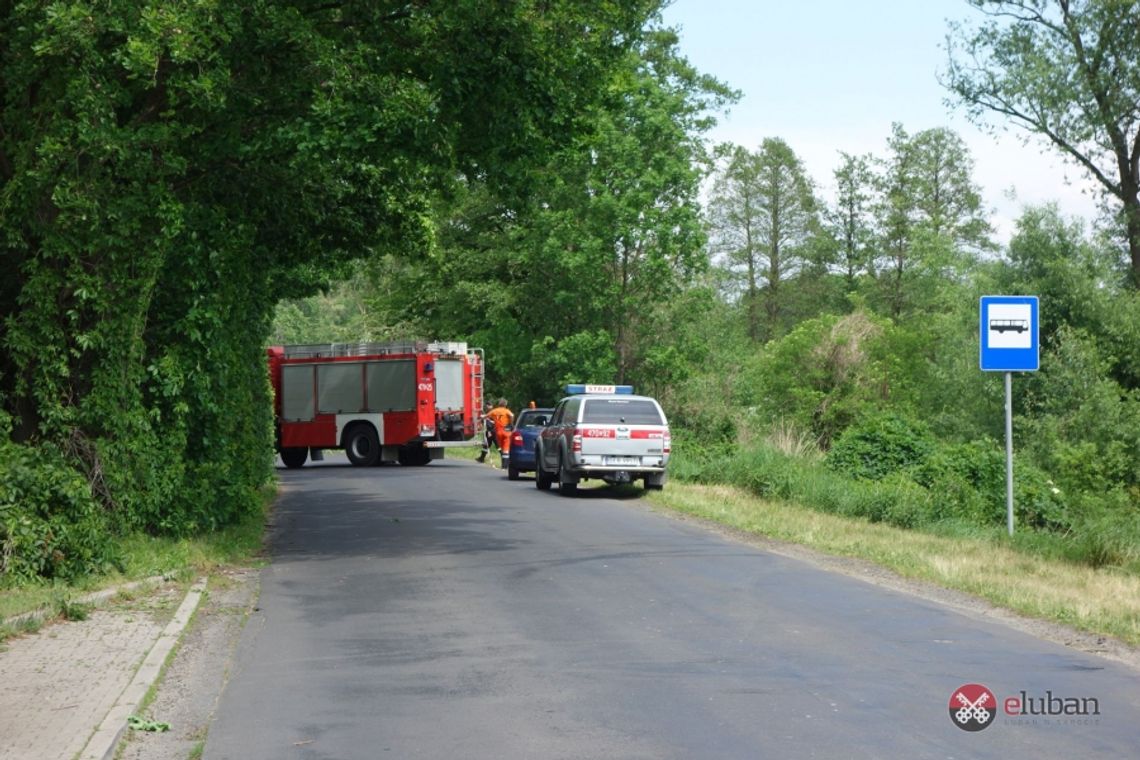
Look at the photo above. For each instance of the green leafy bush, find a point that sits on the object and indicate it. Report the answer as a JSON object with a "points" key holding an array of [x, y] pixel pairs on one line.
{"points": [[968, 480], [880, 445], [905, 504], [820, 377], [764, 471], [50, 525]]}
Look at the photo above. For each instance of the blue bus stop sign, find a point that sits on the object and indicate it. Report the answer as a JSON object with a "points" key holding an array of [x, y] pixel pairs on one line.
{"points": [[1010, 328]]}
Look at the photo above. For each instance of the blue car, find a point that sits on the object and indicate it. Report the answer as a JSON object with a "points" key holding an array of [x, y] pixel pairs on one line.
{"points": [[523, 435]]}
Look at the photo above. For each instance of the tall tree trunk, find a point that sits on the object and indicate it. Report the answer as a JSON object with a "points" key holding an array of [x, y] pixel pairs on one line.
{"points": [[1132, 225], [623, 316], [773, 305], [753, 303]]}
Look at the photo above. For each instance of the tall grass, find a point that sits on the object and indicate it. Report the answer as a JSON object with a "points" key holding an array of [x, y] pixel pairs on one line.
{"points": [[765, 471]]}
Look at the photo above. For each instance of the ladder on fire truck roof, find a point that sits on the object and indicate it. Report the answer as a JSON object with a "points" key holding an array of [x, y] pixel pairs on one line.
{"points": [[336, 350], [330, 350]]}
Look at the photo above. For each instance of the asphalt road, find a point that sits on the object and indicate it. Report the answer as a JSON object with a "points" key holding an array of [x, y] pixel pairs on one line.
{"points": [[444, 612]]}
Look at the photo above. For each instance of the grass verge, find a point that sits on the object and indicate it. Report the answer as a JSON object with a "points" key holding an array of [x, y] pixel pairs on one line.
{"points": [[143, 557], [469, 453], [1101, 600]]}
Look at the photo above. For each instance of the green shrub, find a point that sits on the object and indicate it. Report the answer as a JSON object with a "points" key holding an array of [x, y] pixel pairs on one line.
{"points": [[879, 446], [715, 426], [967, 480], [958, 488], [694, 462], [905, 504], [818, 378], [50, 525], [1037, 501]]}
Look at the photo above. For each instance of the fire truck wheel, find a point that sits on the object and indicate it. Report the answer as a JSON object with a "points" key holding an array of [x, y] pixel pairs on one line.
{"points": [[362, 445], [413, 456], [294, 456]]}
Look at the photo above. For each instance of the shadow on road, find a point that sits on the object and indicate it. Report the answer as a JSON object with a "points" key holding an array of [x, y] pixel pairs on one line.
{"points": [[336, 511]]}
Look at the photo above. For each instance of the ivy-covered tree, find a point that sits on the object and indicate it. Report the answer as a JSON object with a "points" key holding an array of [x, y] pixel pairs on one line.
{"points": [[168, 172]]}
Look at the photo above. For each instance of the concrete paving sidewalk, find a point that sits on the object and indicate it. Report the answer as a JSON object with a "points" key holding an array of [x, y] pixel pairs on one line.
{"points": [[68, 690]]}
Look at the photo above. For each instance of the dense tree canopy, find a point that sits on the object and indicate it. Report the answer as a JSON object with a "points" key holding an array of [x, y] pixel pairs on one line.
{"points": [[168, 172], [573, 283]]}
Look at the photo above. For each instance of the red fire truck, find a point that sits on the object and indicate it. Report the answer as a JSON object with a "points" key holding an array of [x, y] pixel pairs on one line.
{"points": [[381, 402]]}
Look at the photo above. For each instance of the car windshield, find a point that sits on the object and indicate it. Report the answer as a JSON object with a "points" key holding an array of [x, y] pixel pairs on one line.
{"points": [[534, 418], [615, 411]]}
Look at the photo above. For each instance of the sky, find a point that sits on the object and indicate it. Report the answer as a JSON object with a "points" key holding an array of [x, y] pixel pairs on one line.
{"points": [[832, 75]]}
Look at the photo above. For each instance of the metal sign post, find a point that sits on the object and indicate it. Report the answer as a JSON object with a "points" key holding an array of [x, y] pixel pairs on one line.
{"points": [[1009, 343], [1009, 451]]}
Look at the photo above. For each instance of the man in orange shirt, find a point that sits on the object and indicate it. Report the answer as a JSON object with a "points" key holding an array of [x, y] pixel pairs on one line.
{"points": [[502, 416]]}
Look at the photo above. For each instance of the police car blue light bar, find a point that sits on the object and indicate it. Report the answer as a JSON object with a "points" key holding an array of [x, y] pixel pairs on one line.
{"points": [[576, 389]]}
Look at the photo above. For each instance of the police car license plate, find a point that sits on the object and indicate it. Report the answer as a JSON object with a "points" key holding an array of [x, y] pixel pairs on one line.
{"points": [[623, 461]]}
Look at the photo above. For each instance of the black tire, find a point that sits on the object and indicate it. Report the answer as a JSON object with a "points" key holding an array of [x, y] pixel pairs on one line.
{"points": [[654, 486], [512, 473], [542, 481], [567, 486], [362, 445], [294, 456], [413, 456]]}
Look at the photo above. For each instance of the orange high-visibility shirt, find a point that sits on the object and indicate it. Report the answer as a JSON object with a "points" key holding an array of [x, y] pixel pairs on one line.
{"points": [[501, 416]]}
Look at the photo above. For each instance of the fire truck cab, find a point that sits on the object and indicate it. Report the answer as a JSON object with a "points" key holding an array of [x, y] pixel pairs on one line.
{"points": [[400, 402]]}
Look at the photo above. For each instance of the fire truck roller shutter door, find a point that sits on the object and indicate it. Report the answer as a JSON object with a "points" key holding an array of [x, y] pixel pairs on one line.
{"points": [[339, 388], [297, 403], [391, 385], [449, 384]]}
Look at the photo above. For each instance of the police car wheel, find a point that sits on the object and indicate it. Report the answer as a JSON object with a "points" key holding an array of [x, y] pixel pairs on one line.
{"points": [[567, 483], [542, 481]]}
